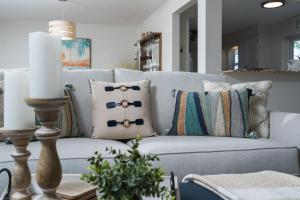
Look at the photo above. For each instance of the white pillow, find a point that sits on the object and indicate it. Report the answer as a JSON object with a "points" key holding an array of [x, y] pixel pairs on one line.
{"points": [[258, 113], [121, 110]]}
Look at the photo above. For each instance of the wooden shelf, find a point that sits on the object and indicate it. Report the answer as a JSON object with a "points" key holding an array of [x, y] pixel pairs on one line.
{"points": [[150, 37], [145, 57], [142, 50]]}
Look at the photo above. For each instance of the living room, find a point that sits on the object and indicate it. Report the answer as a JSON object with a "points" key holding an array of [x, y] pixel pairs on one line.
{"points": [[160, 99]]}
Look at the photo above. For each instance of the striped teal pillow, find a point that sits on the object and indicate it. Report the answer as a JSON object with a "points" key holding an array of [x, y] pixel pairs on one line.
{"points": [[222, 113]]}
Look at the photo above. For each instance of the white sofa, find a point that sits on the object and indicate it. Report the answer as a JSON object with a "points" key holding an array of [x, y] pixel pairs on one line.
{"points": [[183, 155]]}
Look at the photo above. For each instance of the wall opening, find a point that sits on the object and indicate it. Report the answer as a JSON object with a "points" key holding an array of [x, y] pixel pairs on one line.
{"points": [[185, 38], [189, 40]]}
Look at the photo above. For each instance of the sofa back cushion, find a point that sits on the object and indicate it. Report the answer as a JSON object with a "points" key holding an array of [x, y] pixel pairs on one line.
{"points": [[82, 98], [161, 96]]}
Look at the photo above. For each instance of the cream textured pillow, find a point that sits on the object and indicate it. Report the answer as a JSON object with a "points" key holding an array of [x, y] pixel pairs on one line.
{"points": [[258, 113], [121, 110]]}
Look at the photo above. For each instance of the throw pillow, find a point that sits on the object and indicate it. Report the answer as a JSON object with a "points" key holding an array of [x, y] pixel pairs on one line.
{"points": [[121, 110], [258, 113], [223, 113], [67, 120]]}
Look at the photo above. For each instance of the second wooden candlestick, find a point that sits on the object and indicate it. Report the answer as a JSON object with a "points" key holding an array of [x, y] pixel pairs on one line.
{"points": [[49, 172]]}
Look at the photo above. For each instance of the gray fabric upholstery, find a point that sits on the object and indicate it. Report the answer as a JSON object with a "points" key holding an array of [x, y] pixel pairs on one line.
{"points": [[68, 148], [191, 144], [162, 84], [81, 94], [82, 98], [285, 128], [217, 155], [1, 75], [73, 153], [183, 155]]}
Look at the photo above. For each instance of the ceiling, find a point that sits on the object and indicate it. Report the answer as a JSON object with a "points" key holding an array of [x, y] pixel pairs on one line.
{"points": [[238, 14], [114, 12]]}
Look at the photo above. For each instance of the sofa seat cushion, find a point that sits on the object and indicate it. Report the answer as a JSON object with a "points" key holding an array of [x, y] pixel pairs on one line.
{"points": [[195, 144], [68, 148], [218, 155], [73, 153]]}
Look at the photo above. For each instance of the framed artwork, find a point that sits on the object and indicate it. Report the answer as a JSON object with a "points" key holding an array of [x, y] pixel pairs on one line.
{"points": [[76, 54]]}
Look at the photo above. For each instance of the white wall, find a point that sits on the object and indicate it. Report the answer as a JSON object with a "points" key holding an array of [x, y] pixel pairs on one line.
{"points": [[110, 44], [166, 20], [285, 92], [263, 45], [184, 41], [247, 41], [210, 36]]}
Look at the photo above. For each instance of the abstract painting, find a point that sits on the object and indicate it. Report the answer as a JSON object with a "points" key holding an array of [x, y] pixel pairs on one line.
{"points": [[76, 54]]}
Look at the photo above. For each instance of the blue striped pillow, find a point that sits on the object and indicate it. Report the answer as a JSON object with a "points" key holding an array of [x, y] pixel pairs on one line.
{"points": [[222, 113]]}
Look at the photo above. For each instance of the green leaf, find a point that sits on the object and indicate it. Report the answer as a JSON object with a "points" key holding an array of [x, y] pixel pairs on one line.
{"points": [[131, 174]]}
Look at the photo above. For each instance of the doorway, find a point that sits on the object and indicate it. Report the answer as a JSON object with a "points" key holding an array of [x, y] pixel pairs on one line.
{"points": [[189, 39]]}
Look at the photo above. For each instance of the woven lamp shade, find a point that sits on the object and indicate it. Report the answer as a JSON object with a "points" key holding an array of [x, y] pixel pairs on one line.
{"points": [[65, 29]]}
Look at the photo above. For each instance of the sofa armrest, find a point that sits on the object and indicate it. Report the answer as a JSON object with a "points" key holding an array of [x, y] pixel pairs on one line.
{"points": [[285, 128]]}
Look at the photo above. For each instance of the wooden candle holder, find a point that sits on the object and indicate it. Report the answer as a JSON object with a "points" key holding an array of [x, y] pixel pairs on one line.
{"points": [[48, 172], [21, 176]]}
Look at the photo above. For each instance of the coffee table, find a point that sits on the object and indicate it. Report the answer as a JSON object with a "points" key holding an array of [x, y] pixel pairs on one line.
{"points": [[36, 191]]}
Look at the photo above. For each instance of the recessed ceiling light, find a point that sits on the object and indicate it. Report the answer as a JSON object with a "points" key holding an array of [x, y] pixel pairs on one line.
{"points": [[272, 4]]}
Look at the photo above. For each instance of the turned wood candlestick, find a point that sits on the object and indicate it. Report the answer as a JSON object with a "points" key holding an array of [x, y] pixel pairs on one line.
{"points": [[48, 172], [21, 176]]}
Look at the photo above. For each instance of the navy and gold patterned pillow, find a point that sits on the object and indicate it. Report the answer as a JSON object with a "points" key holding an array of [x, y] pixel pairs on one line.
{"points": [[121, 110], [223, 113]]}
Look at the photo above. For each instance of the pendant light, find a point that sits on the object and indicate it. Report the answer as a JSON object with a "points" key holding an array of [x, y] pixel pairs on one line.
{"points": [[63, 28]]}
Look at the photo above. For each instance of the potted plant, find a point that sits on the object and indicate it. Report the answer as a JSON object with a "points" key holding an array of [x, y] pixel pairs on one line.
{"points": [[129, 177]]}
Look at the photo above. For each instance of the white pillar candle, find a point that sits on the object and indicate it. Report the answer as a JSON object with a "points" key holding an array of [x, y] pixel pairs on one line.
{"points": [[17, 114], [45, 65]]}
